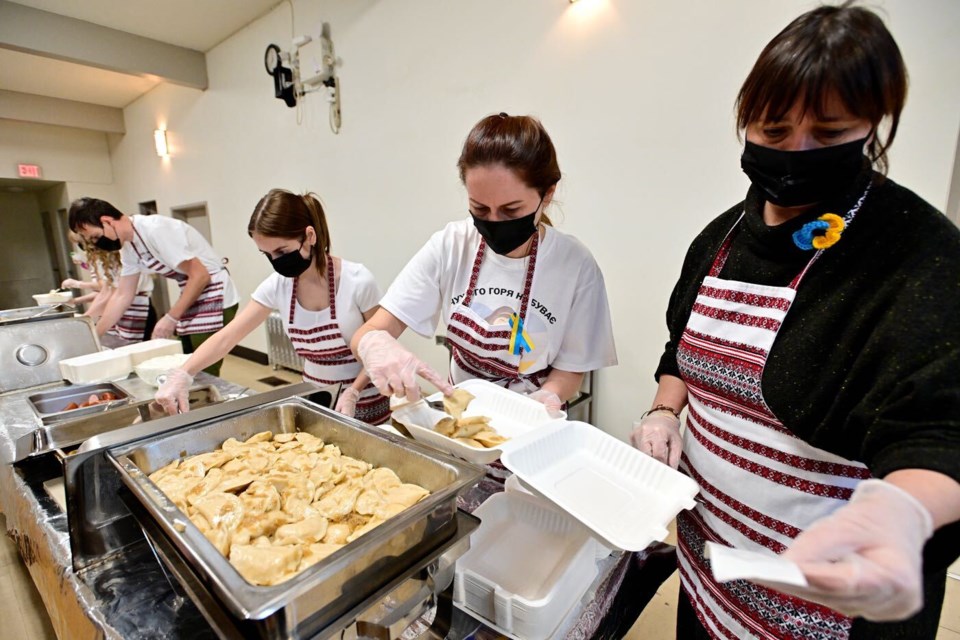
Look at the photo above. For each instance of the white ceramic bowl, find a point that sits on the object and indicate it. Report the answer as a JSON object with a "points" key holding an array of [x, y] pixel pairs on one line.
{"points": [[148, 370], [56, 297]]}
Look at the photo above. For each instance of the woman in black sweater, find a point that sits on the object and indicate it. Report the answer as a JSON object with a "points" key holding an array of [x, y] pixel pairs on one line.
{"points": [[814, 333]]}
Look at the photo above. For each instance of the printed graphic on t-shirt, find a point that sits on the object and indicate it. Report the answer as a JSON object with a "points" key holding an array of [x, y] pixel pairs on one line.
{"points": [[535, 326]]}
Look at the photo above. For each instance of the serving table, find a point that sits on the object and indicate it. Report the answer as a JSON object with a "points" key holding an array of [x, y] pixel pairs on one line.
{"points": [[129, 596]]}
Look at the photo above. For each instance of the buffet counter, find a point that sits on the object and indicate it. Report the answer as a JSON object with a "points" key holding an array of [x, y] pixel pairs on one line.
{"points": [[129, 596]]}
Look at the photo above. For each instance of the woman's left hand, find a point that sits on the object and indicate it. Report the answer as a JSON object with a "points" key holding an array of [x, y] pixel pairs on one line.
{"points": [[165, 327], [866, 558], [550, 400], [347, 402]]}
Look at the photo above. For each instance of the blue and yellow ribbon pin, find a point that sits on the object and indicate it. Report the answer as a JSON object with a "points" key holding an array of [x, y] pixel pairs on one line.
{"points": [[519, 339], [830, 224]]}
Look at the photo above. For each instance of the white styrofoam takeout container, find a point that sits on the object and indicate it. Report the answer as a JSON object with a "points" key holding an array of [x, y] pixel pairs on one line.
{"points": [[100, 366], [53, 297], [511, 414], [143, 351], [150, 370], [624, 496], [528, 564]]}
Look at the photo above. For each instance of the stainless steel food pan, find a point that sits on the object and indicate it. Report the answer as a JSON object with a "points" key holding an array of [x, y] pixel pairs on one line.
{"points": [[329, 589], [49, 405], [63, 434]]}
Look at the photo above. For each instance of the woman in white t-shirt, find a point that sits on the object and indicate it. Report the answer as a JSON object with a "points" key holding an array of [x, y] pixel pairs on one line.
{"points": [[522, 304], [322, 301]]}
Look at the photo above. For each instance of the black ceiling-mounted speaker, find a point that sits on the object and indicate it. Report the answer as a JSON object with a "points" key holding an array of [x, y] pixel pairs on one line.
{"points": [[283, 85]]}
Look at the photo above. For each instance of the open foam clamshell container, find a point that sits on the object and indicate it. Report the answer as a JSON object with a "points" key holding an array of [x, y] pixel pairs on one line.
{"points": [[625, 497], [528, 564], [512, 415]]}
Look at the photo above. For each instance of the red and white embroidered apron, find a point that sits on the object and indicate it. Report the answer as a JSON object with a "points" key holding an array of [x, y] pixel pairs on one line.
{"points": [[760, 486], [481, 349], [205, 315], [327, 358], [133, 323]]}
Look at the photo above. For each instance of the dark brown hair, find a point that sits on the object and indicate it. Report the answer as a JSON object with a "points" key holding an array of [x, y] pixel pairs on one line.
{"points": [[844, 51], [282, 214], [519, 143], [86, 212]]}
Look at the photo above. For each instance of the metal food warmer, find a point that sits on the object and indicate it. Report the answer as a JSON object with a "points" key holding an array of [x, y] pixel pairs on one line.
{"points": [[373, 587], [33, 346]]}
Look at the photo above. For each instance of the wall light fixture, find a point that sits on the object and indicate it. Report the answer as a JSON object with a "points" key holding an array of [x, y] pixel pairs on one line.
{"points": [[160, 142]]}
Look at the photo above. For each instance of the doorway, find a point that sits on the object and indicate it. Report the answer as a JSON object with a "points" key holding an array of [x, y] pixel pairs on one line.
{"points": [[196, 216]]}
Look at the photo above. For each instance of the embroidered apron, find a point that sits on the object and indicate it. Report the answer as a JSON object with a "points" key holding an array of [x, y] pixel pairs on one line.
{"points": [[484, 351], [760, 486], [133, 323], [327, 358], [205, 315]]}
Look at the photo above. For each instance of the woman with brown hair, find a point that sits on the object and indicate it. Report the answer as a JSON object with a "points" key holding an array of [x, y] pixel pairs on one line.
{"points": [[322, 300], [524, 305], [814, 334]]}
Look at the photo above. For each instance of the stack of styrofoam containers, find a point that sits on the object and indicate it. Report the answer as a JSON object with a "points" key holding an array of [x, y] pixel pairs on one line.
{"points": [[96, 367], [527, 566], [143, 351]]}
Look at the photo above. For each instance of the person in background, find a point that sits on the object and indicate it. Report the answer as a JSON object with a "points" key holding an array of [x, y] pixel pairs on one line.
{"points": [[169, 247], [138, 320], [322, 300], [814, 334], [523, 305]]}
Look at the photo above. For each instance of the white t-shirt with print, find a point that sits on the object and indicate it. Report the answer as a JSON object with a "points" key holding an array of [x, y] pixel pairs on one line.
{"points": [[356, 294], [172, 242], [568, 320]]}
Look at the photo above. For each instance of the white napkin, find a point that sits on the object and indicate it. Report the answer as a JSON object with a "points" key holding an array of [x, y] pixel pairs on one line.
{"points": [[739, 564]]}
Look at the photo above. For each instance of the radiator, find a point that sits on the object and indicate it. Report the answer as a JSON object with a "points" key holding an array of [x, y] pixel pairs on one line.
{"points": [[280, 351]]}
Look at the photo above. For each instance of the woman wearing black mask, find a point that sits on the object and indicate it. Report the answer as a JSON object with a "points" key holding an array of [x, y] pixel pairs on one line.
{"points": [[814, 335], [322, 301], [523, 305]]}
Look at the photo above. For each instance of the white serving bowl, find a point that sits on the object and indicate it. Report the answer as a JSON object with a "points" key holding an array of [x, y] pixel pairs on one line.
{"points": [[56, 297], [148, 370]]}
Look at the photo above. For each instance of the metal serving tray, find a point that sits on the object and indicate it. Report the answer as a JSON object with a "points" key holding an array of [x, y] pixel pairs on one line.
{"points": [[61, 435], [49, 405], [31, 314], [325, 592]]}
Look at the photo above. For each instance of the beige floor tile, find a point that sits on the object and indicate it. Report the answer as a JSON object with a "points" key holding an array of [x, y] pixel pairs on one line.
{"points": [[659, 618], [946, 634], [955, 569], [8, 549], [12, 619], [950, 616], [33, 613], [248, 374]]}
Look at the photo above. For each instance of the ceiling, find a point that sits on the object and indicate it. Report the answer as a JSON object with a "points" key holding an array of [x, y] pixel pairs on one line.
{"points": [[193, 24]]}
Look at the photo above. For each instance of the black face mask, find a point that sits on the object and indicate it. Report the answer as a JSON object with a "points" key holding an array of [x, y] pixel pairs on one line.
{"points": [[504, 236], [794, 178], [107, 244], [292, 263]]}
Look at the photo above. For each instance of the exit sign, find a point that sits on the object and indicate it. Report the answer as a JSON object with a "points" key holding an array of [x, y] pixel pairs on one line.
{"points": [[29, 171]]}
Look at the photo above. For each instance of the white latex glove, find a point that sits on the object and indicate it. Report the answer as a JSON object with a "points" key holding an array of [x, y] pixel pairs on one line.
{"points": [[70, 283], [347, 402], [172, 394], [165, 327], [548, 399], [658, 435], [865, 559], [393, 369]]}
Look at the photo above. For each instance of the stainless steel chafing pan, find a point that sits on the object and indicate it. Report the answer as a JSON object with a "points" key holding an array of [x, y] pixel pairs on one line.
{"points": [[50, 406], [61, 435], [325, 592]]}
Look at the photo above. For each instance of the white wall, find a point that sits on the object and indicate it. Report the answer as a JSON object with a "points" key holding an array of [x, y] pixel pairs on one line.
{"points": [[638, 97], [63, 153]]}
